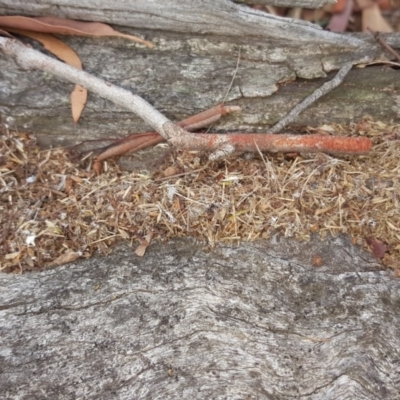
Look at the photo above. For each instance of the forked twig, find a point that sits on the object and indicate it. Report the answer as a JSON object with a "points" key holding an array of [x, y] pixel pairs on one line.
{"points": [[238, 141], [140, 141]]}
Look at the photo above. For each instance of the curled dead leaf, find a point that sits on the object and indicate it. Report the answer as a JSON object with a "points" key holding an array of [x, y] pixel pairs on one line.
{"points": [[65, 258], [66, 54], [65, 27]]}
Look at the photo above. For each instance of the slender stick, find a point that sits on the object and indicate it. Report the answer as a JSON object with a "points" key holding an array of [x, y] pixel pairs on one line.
{"points": [[29, 58], [321, 91], [140, 141], [278, 143], [176, 135], [228, 143], [378, 37], [233, 77]]}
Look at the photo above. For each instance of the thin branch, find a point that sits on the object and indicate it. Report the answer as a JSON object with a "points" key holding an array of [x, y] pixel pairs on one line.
{"points": [[233, 77], [139, 141], [321, 91], [29, 58], [378, 37], [247, 141], [277, 143], [220, 144]]}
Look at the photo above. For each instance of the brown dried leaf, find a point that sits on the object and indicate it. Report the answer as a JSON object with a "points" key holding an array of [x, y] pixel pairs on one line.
{"points": [[65, 258], [378, 248], [66, 54], [141, 249], [65, 27], [372, 19], [78, 101], [4, 33]]}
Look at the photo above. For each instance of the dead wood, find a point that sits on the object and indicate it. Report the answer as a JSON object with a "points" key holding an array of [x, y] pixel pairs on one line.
{"points": [[273, 319], [221, 144], [186, 74], [234, 323], [221, 17]]}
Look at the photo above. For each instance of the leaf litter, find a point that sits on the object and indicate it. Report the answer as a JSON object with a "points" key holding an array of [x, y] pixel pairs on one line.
{"points": [[54, 210]]}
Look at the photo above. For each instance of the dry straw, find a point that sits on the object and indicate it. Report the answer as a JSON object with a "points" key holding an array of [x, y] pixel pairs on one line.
{"points": [[54, 211]]}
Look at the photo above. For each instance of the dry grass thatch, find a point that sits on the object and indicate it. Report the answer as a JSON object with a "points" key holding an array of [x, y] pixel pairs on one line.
{"points": [[54, 211]]}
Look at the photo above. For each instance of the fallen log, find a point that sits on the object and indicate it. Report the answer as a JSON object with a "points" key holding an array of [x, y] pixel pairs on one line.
{"points": [[259, 320]]}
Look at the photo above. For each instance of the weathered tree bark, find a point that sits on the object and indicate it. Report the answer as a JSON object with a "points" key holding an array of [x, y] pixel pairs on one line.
{"points": [[252, 321], [221, 17], [186, 73], [256, 321]]}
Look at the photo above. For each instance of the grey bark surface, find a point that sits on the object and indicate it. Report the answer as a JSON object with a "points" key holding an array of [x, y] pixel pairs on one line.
{"points": [[221, 17], [254, 321], [190, 71], [185, 74]]}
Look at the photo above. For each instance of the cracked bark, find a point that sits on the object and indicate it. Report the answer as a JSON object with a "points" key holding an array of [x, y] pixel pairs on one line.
{"points": [[249, 321], [187, 72], [185, 75], [257, 315]]}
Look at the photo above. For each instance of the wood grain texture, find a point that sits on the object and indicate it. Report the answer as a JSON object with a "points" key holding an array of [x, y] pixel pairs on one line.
{"points": [[186, 74], [190, 71], [255, 321], [221, 17]]}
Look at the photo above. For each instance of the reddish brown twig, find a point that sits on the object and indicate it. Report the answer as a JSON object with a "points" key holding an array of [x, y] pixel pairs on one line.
{"points": [[378, 37], [140, 141], [176, 135], [235, 141], [279, 143]]}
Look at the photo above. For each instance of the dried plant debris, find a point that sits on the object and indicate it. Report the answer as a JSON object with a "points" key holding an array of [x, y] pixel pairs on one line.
{"points": [[53, 210]]}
